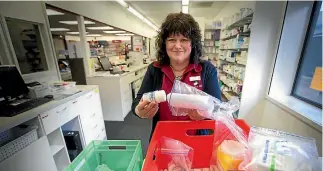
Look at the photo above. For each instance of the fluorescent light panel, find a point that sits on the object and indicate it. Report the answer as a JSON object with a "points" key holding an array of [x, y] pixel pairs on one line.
{"points": [[137, 14], [53, 12], [185, 9], [100, 28], [126, 34], [185, 2], [123, 3], [59, 29], [134, 12], [75, 22], [114, 31], [93, 35], [76, 32]]}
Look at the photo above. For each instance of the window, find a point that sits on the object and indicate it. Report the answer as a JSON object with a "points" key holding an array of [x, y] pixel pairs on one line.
{"points": [[27, 44], [299, 54], [305, 88]]}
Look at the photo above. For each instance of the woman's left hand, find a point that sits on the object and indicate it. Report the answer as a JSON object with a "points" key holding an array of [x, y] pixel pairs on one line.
{"points": [[195, 115]]}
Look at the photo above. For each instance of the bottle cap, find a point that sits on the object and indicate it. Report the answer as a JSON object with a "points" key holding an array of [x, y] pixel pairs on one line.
{"points": [[160, 96]]}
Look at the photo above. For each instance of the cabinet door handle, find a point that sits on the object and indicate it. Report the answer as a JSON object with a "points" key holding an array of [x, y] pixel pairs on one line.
{"points": [[45, 116], [61, 110], [93, 115], [75, 102], [95, 126], [89, 96]]}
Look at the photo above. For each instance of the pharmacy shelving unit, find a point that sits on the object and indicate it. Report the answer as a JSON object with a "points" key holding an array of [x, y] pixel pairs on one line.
{"points": [[211, 44], [234, 42]]}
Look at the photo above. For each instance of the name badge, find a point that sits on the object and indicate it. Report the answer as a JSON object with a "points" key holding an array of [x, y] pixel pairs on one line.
{"points": [[196, 78]]}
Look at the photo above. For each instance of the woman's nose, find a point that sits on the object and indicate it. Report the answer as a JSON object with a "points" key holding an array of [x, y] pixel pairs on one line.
{"points": [[178, 44]]}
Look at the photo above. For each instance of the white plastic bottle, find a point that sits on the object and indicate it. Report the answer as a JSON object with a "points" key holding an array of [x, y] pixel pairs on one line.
{"points": [[155, 96]]}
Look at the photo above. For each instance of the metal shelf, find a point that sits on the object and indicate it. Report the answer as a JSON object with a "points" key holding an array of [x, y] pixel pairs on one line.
{"points": [[247, 33], [236, 49], [246, 20], [233, 62]]}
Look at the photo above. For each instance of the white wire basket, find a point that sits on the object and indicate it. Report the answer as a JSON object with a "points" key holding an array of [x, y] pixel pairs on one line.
{"points": [[15, 139]]}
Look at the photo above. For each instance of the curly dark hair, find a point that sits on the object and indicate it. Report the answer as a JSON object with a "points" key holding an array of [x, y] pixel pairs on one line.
{"points": [[179, 23]]}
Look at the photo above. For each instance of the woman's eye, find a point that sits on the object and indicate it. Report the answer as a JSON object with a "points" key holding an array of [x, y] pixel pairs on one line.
{"points": [[171, 40], [184, 40]]}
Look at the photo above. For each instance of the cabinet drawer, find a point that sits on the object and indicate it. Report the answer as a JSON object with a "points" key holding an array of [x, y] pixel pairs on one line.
{"points": [[91, 103], [91, 124], [93, 133], [58, 116]]}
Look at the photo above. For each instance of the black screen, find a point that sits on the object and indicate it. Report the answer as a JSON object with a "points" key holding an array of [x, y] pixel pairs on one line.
{"points": [[11, 83], [105, 63]]}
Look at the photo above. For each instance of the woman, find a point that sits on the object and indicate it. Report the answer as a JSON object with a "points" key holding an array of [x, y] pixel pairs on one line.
{"points": [[179, 50]]}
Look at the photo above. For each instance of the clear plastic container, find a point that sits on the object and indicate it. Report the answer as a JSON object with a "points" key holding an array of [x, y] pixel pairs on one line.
{"points": [[155, 96]]}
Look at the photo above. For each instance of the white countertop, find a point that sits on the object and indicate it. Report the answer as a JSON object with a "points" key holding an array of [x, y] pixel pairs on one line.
{"points": [[131, 69], [9, 122]]}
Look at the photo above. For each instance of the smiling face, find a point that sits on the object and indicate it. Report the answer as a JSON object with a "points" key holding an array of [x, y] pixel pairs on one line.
{"points": [[178, 48]]}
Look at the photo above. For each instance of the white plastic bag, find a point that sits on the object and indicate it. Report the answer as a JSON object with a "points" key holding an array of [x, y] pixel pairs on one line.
{"points": [[184, 97], [272, 150]]}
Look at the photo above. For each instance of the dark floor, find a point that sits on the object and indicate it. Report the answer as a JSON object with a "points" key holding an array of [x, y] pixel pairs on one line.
{"points": [[132, 128]]}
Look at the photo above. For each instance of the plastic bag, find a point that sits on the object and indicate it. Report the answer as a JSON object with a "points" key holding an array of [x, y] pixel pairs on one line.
{"points": [[230, 143], [272, 150], [184, 98], [178, 155]]}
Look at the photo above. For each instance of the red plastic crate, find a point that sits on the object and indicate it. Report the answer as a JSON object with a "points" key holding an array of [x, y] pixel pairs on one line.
{"points": [[202, 145]]}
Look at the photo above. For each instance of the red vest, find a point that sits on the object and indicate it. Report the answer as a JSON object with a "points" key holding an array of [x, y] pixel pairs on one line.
{"points": [[167, 83]]}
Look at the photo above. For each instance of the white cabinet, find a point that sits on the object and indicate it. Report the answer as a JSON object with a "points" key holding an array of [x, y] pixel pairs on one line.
{"points": [[35, 157], [91, 116], [60, 115]]}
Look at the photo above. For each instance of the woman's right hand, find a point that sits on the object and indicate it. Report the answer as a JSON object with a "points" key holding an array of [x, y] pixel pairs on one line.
{"points": [[146, 109]]}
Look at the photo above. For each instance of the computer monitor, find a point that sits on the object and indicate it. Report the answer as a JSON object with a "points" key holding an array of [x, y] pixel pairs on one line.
{"points": [[105, 63], [11, 83]]}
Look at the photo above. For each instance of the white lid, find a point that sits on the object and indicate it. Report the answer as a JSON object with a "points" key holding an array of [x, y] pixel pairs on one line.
{"points": [[160, 96]]}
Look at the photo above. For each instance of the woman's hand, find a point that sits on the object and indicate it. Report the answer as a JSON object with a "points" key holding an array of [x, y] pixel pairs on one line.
{"points": [[195, 115], [146, 109]]}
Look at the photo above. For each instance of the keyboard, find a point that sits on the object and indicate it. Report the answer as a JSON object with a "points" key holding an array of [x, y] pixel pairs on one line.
{"points": [[13, 110]]}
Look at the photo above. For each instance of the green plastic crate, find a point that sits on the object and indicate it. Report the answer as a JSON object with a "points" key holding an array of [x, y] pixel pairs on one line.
{"points": [[118, 155]]}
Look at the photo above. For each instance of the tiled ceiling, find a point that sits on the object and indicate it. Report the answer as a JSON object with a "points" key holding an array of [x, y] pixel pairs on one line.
{"points": [[54, 23]]}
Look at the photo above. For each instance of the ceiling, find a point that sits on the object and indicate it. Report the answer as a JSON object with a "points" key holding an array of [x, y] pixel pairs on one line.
{"points": [[156, 11], [54, 23]]}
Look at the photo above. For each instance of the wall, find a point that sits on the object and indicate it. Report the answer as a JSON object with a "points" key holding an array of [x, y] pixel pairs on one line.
{"points": [[234, 7], [33, 12], [108, 12], [201, 22], [256, 108]]}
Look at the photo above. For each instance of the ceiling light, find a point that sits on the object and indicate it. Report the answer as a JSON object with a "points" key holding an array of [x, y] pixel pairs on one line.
{"points": [[185, 9], [114, 31], [59, 29], [126, 34], [100, 28], [93, 35], [76, 32], [185, 2], [134, 12], [75, 22], [123, 3], [53, 12]]}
